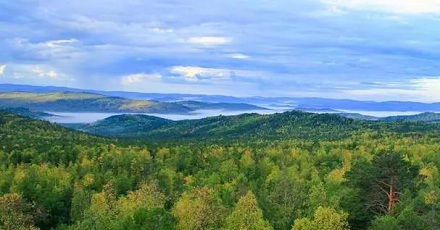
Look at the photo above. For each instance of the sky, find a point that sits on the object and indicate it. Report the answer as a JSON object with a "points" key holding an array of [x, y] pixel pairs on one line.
{"points": [[358, 49]]}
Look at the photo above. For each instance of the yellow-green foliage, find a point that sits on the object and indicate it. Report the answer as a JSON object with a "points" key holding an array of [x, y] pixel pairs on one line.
{"points": [[324, 219], [247, 215], [53, 178], [136, 105], [47, 97]]}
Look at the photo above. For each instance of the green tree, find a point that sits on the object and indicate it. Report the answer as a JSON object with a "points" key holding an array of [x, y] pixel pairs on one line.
{"points": [[286, 193], [323, 219], [80, 202], [150, 218], [49, 187], [199, 209], [378, 185], [408, 219], [102, 212], [247, 215], [384, 223], [15, 213], [431, 193]]}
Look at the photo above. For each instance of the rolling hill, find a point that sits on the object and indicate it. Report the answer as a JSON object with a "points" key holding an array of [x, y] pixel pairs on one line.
{"points": [[58, 171], [26, 112], [21, 133], [281, 126], [310, 103], [92, 102], [425, 117], [124, 125]]}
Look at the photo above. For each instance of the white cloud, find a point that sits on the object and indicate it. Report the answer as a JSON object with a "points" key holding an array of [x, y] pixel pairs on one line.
{"points": [[139, 78], [209, 41], [36, 74], [421, 89], [161, 30], [239, 56], [55, 51], [331, 10], [2, 69], [52, 74], [193, 73], [44, 72], [392, 6], [55, 43], [428, 87], [196, 73]]}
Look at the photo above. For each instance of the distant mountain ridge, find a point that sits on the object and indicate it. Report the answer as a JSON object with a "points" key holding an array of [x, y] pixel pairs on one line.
{"points": [[294, 102], [425, 117], [93, 102]]}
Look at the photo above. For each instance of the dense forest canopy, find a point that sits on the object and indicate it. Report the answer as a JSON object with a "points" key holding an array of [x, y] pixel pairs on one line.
{"points": [[341, 174], [248, 127]]}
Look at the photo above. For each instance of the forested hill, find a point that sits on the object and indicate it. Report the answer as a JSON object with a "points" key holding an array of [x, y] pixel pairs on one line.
{"points": [[282, 126], [92, 102], [21, 137], [26, 112], [61, 179], [425, 117]]}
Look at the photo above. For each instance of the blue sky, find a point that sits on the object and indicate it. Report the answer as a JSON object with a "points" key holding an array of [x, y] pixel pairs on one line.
{"points": [[358, 49]]}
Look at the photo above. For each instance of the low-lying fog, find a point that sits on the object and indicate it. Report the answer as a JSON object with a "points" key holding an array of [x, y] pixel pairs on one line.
{"points": [[64, 117], [92, 117]]}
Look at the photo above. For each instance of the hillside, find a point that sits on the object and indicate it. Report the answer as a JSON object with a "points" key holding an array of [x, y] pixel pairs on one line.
{"points": [[345, 104], [56, 178], [26, 112], [425, 117], [197, 105], [309, 104], [358, 116], [282, 126], [124, 125], [21, 134], [91, 102]]}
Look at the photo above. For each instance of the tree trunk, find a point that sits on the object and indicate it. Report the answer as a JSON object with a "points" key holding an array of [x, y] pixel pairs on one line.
{"points": [[391, 195]]}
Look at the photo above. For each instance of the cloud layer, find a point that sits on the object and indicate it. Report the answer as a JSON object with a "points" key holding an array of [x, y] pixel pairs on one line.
{"points": [[378, 50], [2, 69], [398, 7]]}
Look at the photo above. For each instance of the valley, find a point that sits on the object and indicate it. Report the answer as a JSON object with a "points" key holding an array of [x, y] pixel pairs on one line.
{"points": [[219, 115]]}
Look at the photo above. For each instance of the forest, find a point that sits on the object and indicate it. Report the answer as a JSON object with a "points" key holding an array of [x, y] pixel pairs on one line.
{"points": [[251, 127], [93, 102], [291, 171]]}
